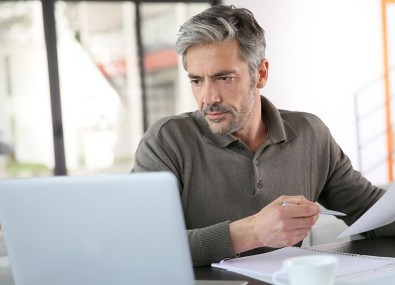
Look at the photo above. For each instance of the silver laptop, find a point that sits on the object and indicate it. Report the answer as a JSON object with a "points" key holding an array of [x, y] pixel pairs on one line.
{"points": [[116, 229]]}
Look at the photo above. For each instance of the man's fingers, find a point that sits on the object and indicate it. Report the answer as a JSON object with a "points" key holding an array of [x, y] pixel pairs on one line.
{"points": [[298, 223], [303, 223], [303, 210], [290, 237], [297, 200]]}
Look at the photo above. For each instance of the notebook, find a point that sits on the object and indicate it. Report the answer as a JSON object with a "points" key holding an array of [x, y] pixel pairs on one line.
{"points": [[115, 229], [352, 268]]}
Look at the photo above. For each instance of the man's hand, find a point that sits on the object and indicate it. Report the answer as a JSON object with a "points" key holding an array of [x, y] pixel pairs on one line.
{"points": [[275, 225]]}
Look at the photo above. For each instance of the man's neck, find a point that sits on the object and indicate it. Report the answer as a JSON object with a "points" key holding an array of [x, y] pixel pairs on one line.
{"points": [[255, 138], [255, 133]]}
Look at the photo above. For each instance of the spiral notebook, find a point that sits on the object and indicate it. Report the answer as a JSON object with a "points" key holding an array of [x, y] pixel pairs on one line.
{"points": [[352, 268]]}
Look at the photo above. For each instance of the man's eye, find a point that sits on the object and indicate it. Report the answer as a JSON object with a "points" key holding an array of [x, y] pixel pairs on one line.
{"points": [[225, 78], [196, 81]]}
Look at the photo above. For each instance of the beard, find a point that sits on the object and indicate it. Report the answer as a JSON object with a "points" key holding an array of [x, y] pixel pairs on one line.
{"points": [[235, 118]]}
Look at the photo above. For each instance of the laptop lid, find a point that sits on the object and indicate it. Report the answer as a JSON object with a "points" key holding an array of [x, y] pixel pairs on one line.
{"points": [[116, 229]]}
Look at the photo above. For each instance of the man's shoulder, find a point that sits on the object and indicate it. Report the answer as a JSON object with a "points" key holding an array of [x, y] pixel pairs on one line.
{"points": [[173, 125], [305, 124], [299, 119]]}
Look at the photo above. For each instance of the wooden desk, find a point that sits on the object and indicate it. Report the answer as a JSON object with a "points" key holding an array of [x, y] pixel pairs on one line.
{"points": [[376, 247]]}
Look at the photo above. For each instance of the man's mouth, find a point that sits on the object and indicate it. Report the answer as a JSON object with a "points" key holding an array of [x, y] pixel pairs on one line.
{"points": [[215, 116], [215, 112]]}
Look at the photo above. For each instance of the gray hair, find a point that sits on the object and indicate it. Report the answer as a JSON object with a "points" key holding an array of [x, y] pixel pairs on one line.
{"points": [[222, 23]]}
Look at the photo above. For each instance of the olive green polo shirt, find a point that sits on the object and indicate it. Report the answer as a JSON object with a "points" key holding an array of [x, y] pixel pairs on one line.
{"points": [[221, 180]]}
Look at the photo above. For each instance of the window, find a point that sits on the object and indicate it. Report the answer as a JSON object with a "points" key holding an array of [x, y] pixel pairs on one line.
{"points": [[109, 94], [26, 145]]}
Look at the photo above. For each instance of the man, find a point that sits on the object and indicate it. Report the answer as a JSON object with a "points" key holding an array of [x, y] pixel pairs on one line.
{"points": [[238, 158]]}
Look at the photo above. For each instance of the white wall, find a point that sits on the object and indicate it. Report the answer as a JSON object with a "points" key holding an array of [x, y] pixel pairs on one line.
{"points": [[321, 52]]}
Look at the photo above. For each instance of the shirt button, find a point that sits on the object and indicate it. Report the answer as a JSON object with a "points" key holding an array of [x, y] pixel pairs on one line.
{"points": [[259, 185], [256, 162]]}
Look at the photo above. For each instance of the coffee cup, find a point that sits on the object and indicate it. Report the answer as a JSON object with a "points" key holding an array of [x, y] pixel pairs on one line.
{"points": [[307, 270]]}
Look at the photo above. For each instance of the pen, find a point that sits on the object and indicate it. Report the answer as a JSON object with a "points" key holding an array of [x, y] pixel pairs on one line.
{"points": [[323, 211]]}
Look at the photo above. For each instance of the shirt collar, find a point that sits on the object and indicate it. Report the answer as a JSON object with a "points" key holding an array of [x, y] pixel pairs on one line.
{"points": [[279, 129]]}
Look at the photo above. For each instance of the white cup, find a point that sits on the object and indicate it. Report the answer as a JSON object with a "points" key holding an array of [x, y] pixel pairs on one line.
{"points": [[307, 270]]}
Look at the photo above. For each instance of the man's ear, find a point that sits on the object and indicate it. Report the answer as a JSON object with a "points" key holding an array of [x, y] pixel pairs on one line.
{"points": [[262, 73]]}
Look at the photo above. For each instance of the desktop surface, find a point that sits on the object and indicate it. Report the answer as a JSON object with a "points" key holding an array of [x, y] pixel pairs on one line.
{"points": [[379, 247]]}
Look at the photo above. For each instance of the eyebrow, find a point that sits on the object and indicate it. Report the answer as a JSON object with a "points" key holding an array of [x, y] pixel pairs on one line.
{"points": [[190, 75], [217, 74]]}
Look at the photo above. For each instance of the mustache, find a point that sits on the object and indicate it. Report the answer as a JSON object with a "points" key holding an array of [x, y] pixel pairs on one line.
{"points": [[215, 108]]}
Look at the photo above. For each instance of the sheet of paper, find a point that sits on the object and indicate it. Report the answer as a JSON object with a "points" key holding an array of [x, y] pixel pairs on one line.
{"points": [[380, 214]]}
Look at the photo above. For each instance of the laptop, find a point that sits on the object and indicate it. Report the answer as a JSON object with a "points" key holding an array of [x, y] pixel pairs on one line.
{"points": [[115, 229]]}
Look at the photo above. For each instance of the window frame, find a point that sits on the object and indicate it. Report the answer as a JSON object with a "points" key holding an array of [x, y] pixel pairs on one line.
{"points": [[49, 21]]}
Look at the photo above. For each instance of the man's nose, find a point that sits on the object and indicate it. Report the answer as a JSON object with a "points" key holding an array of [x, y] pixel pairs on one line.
{"points": [[210, 93]]}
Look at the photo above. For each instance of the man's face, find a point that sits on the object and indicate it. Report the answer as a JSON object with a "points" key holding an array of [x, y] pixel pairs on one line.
{"points": [[221, 85]]}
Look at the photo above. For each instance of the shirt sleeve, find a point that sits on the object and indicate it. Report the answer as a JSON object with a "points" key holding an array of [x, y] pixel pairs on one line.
{"points": [[348, 191], [210, 244], [150, 156], [207, 245]]}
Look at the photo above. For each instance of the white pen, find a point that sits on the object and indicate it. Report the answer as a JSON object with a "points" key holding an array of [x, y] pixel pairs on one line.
{"points": [[323, 211]]}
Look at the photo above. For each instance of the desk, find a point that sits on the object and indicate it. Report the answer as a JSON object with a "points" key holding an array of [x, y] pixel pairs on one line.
{"points": [[377, 247]]}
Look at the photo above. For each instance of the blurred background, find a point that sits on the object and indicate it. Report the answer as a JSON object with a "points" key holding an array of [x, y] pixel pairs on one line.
{"points": [[80, 81]]}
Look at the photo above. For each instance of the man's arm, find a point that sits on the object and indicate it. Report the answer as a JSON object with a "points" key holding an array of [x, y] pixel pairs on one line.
{"points": [[150, 156], [208, 244], [346, 190], [274, 226]]}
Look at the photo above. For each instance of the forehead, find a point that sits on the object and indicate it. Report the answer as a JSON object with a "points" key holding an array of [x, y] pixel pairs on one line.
{"points": [[223, 55]]}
